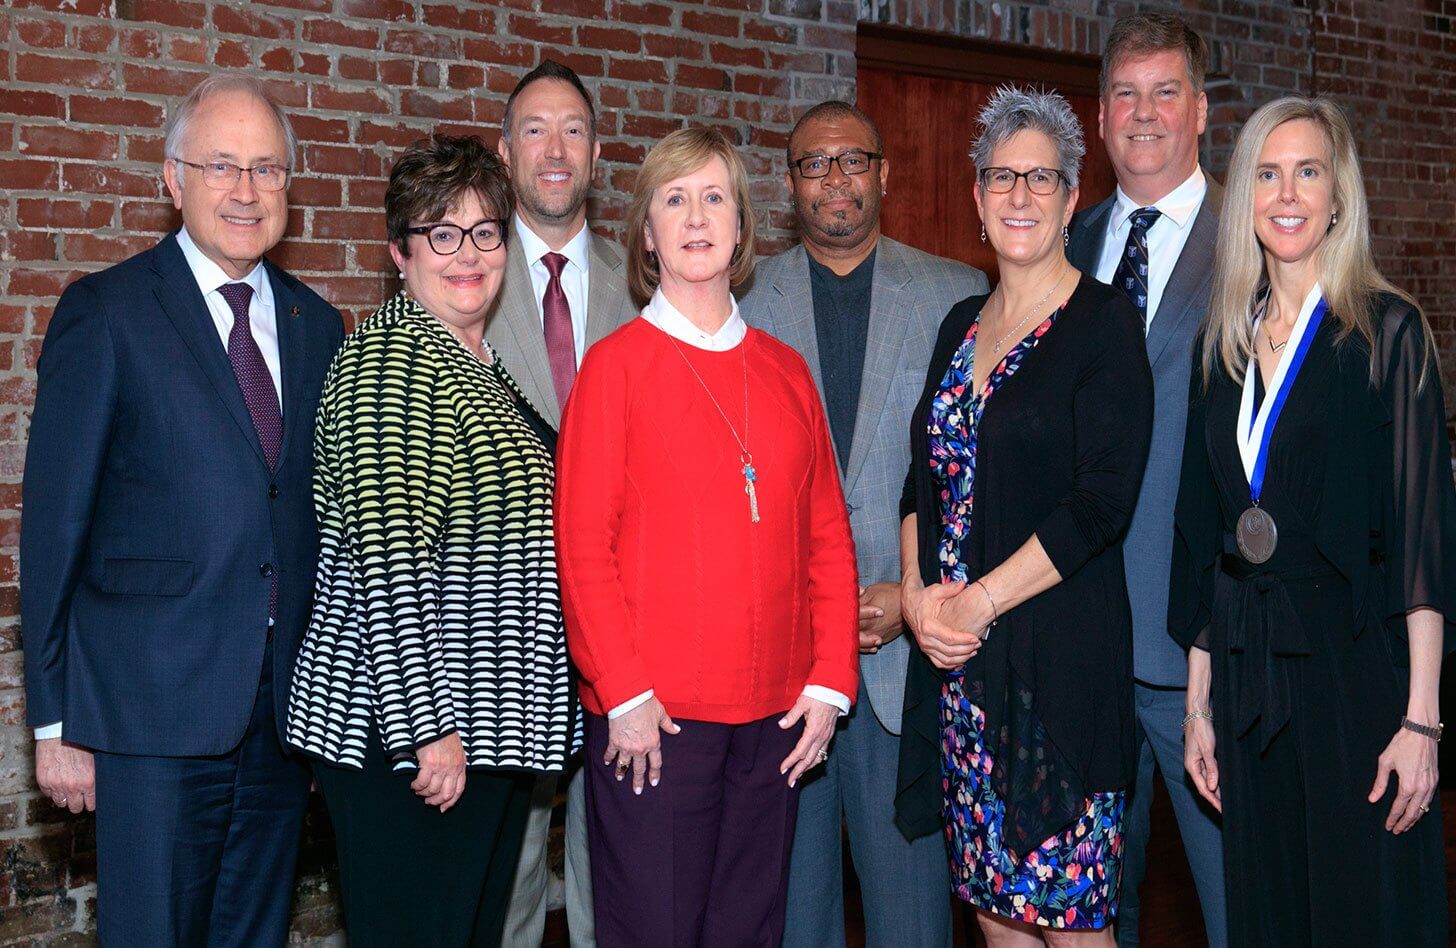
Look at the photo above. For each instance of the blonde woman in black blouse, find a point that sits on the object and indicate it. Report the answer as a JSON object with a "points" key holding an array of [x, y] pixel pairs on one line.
{"points": [[433, 678]]}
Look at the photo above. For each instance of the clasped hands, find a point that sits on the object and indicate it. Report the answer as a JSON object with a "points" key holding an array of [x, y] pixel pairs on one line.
{"points": [[948, 620]]}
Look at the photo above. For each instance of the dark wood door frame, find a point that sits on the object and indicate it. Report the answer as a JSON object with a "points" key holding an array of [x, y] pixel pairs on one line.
{"points": [[897, 49]]}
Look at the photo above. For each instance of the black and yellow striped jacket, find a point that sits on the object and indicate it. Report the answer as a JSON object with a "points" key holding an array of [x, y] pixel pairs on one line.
{"points": [[436, 606]]}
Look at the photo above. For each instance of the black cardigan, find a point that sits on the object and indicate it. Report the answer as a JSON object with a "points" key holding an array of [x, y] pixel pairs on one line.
{"points": [[1061, 450]]}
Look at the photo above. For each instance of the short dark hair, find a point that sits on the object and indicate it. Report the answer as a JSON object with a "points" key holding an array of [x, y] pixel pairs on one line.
{"points": [[433, 175], [549, 69], [834, 109], [1142, 33]]}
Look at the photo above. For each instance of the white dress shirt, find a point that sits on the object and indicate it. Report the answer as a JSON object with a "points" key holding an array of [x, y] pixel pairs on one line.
{"points": [[209, 277], [575, 276], [665, 316], [1166, 236]]}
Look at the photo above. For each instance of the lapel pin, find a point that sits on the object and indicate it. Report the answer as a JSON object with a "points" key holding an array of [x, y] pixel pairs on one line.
{"points": [[293, 311]]}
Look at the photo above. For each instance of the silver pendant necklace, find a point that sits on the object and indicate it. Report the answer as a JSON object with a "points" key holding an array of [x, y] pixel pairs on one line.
{"points": [[745, 457], [996, 346]]}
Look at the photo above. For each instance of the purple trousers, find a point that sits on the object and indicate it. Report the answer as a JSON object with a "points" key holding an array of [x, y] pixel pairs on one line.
{"points": [[702, 859]]}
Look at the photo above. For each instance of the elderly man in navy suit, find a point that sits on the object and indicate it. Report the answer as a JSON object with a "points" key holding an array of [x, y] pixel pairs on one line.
{"points": [[168, 544], [1153, 239]]}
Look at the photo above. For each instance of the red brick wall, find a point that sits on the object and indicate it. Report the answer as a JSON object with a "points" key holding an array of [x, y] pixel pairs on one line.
{"points": [[86, 86]]}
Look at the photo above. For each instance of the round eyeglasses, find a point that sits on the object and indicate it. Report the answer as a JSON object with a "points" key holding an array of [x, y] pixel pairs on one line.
{"points": [[224, 175], [1042, 181], [445, 239], [850, 163]]}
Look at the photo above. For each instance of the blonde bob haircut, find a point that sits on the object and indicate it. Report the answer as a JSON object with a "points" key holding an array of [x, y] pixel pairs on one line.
{"points": [[681, 153], [1346, 264]]}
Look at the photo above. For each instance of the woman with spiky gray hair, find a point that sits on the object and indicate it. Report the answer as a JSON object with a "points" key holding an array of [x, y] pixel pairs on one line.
{"points": [[1028, 450]]}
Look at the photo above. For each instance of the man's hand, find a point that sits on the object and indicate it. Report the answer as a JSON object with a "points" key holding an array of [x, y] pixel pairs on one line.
{"points": [[879, 616], [66, 773]]}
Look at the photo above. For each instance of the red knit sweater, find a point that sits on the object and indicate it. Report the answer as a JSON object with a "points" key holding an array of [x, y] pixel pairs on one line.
{"points": [[666, 582]]}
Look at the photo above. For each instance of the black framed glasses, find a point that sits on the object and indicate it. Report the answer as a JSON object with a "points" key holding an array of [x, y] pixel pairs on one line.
{"points": [[850, 163], [224, 175], [445, 239], [1043, 181]]}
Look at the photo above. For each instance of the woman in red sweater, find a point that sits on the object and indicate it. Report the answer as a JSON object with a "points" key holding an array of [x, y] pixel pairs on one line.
{"points": [[708, 575]]}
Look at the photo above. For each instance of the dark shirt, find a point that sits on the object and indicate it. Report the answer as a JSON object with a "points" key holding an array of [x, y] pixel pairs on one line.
{"points": [[842, 323]]}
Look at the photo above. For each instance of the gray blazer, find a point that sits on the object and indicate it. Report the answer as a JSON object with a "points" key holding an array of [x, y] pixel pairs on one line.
{"points": [[514, 327], [1148, 549], [911, 293]]}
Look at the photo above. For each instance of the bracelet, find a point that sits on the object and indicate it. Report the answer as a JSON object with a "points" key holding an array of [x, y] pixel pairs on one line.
{"points": [[1194, 715], [1424, 730], [995, 613]]}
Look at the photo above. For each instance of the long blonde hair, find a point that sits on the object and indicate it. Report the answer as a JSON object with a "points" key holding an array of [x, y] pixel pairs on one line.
{"points": [[1347, 271]]}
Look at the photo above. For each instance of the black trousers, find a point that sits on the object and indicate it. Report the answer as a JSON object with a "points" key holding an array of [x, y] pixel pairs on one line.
{"points": [[412, 875]]}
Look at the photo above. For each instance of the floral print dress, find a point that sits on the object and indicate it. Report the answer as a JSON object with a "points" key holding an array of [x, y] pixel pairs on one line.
{"points": [[1071, 879]]}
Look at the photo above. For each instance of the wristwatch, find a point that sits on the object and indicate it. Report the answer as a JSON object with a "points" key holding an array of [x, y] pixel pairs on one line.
{"points": [[1424, 730]]}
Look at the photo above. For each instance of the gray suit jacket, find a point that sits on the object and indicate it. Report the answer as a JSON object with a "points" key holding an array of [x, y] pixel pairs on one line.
{"points": [[1148, 550], [911, 293], [514, 328]]}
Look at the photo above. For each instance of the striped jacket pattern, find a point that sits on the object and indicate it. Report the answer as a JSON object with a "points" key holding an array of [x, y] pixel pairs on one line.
{"points": [[436, 605]]}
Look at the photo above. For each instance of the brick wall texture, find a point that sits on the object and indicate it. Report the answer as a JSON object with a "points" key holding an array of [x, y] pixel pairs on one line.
{"points": [[87, 85]]}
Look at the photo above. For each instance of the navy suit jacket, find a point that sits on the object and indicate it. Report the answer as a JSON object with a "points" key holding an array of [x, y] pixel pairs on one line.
{"points": [[1148, 548], [152, 523]]}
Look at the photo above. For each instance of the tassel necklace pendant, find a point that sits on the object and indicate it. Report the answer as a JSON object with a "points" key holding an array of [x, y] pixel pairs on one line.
{"points": [[749, 476]]}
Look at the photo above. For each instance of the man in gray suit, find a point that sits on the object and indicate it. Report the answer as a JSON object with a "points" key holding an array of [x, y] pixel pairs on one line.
{"points": [[564, 289], [863, 310], [1153, 239]]}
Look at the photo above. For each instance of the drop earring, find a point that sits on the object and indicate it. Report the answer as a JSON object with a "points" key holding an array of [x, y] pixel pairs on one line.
{"points": [[1334, 218], [983, 233], [1066, 236]]}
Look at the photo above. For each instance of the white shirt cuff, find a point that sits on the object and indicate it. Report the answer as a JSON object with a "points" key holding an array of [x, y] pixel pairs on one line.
{"points": [[828, 696], [48, 732], [628, 705]]}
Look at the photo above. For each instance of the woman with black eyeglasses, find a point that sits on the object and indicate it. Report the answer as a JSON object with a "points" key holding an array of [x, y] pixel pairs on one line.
{"points": [[1028, 449], [432, 683]]}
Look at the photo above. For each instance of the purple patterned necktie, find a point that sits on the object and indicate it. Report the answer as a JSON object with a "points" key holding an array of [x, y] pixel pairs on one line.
{"points": [[560, 342], [258, 393]]}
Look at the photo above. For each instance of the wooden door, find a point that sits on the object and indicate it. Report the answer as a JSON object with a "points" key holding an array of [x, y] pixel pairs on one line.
{"points": [[924, 92]]}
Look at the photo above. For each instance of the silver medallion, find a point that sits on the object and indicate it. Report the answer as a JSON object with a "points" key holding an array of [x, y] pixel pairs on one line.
{"points": [[1256, 535]]}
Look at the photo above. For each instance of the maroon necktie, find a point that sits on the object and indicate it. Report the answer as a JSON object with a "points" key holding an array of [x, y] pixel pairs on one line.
{"points": [[560, 341], [258, 392]]}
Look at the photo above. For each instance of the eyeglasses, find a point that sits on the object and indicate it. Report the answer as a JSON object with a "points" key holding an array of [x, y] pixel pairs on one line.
{"points": [[851, 162], [1043, 181], [224, 175], [445, 239]]}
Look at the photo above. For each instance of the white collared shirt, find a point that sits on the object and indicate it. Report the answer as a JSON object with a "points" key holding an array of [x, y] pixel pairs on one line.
{"points": [[575, 276], [1166, 236], [660, 312], [209, 277], [261, 315]]}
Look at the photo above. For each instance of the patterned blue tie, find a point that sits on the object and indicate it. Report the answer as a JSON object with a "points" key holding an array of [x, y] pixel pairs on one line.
{"points": [[1132, 269]]}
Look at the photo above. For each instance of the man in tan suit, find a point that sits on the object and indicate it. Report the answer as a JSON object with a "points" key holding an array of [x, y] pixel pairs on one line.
{"points": [[564, 289]]}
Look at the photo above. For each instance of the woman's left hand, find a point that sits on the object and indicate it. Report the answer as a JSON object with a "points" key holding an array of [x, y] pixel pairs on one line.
{"points": [[1412, 758], [813, 747]]}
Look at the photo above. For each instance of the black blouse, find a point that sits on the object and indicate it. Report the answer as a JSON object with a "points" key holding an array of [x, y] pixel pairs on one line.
{"points": [[1386, 515], [1061, 450]]}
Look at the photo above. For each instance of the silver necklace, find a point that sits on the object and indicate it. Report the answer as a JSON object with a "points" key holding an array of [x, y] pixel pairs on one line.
{"points": [[996, 346], [745, 457]]}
